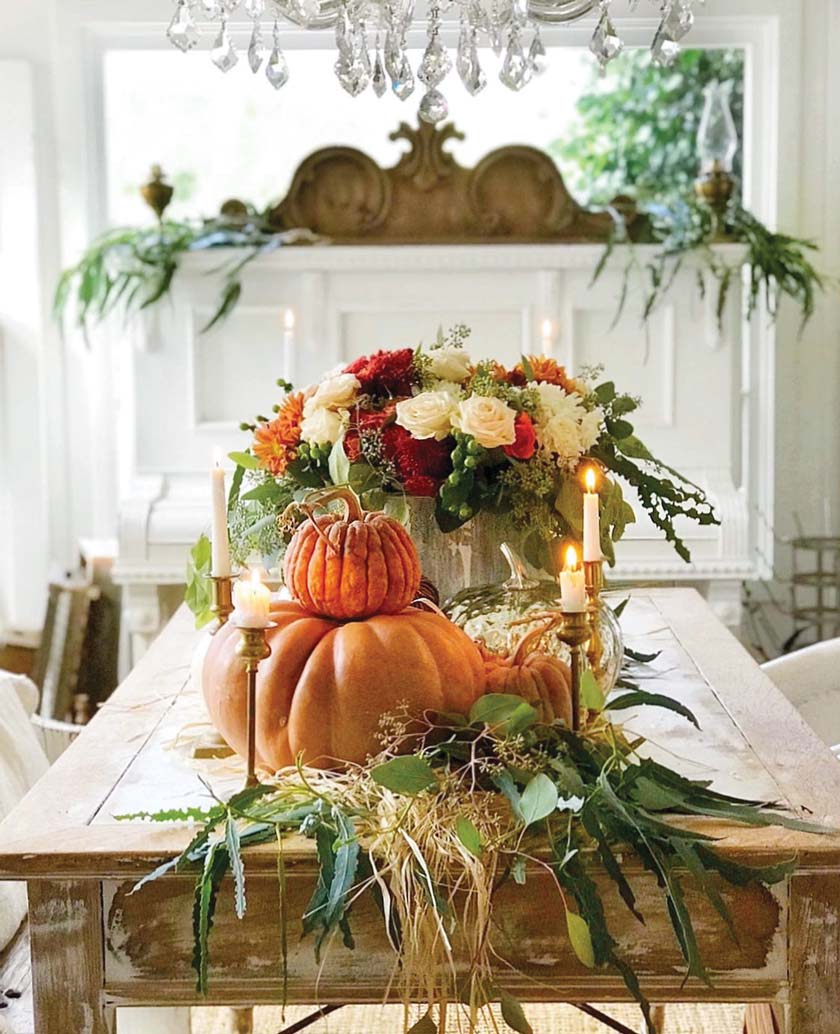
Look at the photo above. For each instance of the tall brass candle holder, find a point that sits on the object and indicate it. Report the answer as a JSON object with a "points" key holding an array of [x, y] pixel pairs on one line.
{"points": [[593, 573], [252, 648], [575, 630], [221, 599]]}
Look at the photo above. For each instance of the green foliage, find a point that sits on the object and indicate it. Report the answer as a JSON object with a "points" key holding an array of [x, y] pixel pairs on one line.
{"points": [[198, 595], [636, 128], [624, 801], [130, 269]]}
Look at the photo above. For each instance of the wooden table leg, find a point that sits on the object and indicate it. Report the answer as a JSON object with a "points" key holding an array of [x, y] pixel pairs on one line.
{"points": [[65, 923], [814, 953]]}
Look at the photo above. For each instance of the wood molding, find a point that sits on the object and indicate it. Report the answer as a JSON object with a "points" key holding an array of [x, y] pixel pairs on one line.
{"points": [[515, 194]]}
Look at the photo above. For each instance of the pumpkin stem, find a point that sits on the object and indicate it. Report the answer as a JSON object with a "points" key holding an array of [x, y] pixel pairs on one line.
{"points": [[343, 493], [529, 643]]}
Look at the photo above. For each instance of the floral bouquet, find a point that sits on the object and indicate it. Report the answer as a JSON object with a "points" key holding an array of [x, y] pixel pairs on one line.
{"points": [[475, 436]]}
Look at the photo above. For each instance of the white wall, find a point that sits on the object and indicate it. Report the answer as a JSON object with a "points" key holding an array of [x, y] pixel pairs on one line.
{"points": [[58, 399]]}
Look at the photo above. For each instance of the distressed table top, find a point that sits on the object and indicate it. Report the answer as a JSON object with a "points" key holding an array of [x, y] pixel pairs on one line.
{"points": [[137, 755]]}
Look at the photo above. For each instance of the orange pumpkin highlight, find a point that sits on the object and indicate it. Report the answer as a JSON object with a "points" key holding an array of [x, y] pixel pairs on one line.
{"points": [[544, 681], [352, 565], [326, 684]]}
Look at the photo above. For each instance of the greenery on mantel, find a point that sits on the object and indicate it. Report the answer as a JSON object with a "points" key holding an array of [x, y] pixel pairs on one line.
{"points": [[779, 265], [132, 269]]}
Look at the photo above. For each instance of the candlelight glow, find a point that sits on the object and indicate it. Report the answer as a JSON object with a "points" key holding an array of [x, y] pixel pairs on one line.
{"points": [[256, 580], [546, 328], [589, 479], [571, 559], [289, 319], [217, 457]]}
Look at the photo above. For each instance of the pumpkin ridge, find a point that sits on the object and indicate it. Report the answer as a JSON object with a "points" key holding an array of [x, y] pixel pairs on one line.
{"points": [[377, 572], [333, 567], [397, 583], [302, 561]]}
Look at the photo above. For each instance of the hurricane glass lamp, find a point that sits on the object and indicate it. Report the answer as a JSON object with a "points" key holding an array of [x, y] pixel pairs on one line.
{"points": [[717, 145]]}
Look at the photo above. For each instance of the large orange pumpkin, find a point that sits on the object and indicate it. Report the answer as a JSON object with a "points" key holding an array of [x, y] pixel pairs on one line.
{"points": [[544, 681], [351, 565], [326, 684]]}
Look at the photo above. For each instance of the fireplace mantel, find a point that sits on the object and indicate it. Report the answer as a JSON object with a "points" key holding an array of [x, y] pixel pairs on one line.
{"points": [[708, 403]]}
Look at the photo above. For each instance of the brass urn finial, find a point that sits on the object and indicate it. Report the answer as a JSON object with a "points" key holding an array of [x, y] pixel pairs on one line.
{"points": [[157, 193]]}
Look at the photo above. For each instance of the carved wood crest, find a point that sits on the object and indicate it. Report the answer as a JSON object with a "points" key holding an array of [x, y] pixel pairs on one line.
{"points": [[513, 195]]}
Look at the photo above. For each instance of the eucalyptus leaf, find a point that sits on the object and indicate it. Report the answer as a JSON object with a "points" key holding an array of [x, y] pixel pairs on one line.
{"points": [[591, 694], [408, 775], [539, 799], [469, 836], [580, 938], [244, 459], [513, 1014]]}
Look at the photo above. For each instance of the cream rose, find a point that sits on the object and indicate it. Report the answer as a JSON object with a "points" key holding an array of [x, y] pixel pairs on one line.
{"points": [[427, 415], [489, 420], [320, 426], [333, 393], [449, 363], [590, 428]]}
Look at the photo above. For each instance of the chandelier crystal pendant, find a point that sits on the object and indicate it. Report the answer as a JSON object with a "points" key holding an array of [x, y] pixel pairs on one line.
{"points": [[510, 27]]}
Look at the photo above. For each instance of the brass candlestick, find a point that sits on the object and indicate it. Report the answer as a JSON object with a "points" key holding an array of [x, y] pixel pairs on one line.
{"points": [[593, 573], [252, 648], [221, 605], [575, 630]]}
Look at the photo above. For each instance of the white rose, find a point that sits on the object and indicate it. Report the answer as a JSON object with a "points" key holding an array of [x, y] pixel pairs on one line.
{"points": [[427, 415], [320, 426], [489, 420], [449, 363], [333, 393]]}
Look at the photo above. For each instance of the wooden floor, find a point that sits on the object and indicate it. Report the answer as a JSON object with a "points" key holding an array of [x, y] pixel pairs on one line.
{"points": [[16, 985]]}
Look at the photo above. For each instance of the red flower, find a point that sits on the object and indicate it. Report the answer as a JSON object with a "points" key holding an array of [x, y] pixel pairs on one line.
{"points": [[525, 445], [422, 459], [385, 373], [421, 486]]}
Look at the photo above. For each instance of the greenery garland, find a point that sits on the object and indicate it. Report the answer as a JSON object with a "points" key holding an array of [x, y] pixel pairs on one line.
{"points": [[131, 269], [479, 801], [778, 265]]}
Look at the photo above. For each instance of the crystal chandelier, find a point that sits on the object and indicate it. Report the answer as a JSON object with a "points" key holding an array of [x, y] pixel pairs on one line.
{"points": [[370, 37]]}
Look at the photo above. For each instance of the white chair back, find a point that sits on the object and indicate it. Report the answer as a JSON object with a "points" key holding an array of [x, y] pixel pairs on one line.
{"points": [[810, 679]]}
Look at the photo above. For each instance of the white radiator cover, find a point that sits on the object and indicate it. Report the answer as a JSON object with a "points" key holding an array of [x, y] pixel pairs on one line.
{"points": [[708, 395]]}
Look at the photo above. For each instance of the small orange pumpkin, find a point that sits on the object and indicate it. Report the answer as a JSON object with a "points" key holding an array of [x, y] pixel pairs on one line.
{"points": [[326, 684], [544, 681], [352, 565]]}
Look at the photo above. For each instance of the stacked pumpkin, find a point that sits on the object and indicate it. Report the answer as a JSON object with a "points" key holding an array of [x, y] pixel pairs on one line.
{"points": [[351, 648]]}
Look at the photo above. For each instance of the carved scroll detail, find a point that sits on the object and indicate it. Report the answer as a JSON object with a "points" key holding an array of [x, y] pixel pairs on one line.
{"points": [[514, 194]]}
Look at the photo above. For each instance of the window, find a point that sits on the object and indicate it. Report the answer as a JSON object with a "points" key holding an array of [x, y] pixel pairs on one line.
{"points": [[219, 136]]}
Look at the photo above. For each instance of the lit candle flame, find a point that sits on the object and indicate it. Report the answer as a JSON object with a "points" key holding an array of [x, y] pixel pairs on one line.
{"points": [[571, 559], [289, 319], [547, 329], [217, 457], [589, 479]]}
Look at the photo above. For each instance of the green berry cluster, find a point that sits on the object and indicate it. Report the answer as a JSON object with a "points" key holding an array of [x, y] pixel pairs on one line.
{"points": [[316, 454], [459, 493]]}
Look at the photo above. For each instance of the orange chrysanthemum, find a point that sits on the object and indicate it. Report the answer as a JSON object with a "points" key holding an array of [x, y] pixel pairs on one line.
{"points": [[549, 371], [275, 443]]}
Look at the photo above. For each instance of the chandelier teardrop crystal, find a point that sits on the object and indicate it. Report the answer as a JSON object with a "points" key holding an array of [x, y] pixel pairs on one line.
{"points": [[510, 27]]}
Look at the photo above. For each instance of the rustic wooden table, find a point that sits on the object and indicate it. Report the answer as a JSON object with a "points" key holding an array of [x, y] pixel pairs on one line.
{"points": [[95, 947]]}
